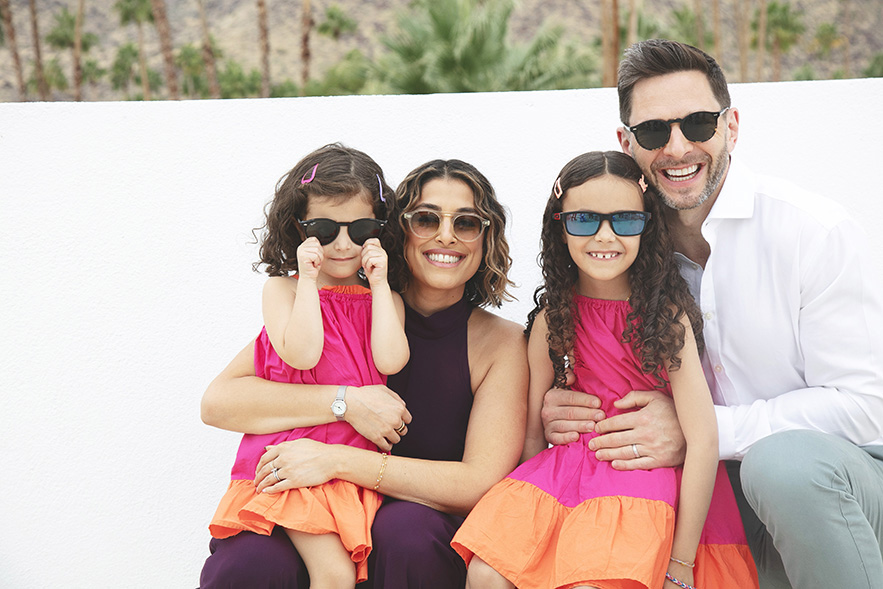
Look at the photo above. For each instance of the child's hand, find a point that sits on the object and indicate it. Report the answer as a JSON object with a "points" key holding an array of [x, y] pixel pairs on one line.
{"points": [[309, 258], [374, 262]]}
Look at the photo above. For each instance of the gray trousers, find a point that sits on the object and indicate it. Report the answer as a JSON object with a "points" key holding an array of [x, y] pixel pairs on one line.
{"points": [[812, 505]]}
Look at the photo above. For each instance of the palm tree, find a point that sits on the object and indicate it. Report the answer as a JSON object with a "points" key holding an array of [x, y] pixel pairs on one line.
{"points": [[846, 17], [686, 26], [137, 12], [742, 8], [264, 34], [165, 40], [9, 34], [463, 46], [53, 77], [64, 36], [122, 71], [39, 74], [760, 28], [208, 55], [699, 22], [609, 41], [336, 23], [784, 28], [306, 25]]}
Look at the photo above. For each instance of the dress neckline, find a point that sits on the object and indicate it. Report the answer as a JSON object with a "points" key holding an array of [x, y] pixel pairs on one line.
{"points": [[440, 323]]}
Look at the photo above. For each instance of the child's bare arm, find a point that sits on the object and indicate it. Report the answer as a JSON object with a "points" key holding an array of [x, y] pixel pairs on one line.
{"points": [[389, 345], [697, 419], [542, 374], [292, 314]]}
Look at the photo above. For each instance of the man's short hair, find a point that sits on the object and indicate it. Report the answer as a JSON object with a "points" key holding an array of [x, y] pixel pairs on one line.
{"points": [[657, 57]]}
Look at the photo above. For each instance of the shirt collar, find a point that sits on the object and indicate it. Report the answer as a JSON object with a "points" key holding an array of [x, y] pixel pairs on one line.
{"points": [[736, 198]]}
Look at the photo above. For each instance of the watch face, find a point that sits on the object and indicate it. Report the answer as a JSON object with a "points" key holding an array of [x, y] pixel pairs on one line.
{"points": [[338, 408]]}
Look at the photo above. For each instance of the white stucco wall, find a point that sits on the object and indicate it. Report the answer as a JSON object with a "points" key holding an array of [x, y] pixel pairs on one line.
{"points": [[126, 280]]}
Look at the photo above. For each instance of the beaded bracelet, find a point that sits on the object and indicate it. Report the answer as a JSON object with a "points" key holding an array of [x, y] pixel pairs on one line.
{"points": [[686, 564], [382, 468], [678, 582]]}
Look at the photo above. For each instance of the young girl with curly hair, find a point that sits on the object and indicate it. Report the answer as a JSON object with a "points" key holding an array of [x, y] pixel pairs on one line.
{"points": [[335, 320], [614, 310]]}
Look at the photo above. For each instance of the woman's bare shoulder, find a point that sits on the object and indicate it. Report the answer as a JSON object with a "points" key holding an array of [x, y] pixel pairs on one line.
{"points": [[493, 339]]}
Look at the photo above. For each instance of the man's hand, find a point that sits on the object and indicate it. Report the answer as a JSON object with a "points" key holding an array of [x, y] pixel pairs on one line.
{"points": [[567, 414], [653, 431]]}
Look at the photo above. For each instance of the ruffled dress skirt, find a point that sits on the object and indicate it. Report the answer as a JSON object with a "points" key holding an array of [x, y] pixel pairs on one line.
{"points": [[564, 518], [337, 507]]}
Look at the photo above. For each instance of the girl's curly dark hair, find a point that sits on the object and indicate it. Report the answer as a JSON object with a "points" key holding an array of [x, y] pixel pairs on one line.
{"points": [[338, 172], [489, 285], [659, 296]]}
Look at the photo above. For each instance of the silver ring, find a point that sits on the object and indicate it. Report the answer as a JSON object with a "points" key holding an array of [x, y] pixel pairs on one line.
{"points": [[635, 450], [401, 428], [276, 474]]}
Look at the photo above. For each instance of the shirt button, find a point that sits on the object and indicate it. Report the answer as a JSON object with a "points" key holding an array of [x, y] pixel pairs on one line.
{"points": [[718, 368], [708, 315]]}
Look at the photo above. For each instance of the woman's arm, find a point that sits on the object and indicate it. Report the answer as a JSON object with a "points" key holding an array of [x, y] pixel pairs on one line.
{"points": [[239, 401], [697, 419], [494, 438], [542, 374]]}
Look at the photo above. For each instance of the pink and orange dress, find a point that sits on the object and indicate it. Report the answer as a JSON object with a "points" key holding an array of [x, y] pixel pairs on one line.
{"points": [[565, 518], [338, 507]]}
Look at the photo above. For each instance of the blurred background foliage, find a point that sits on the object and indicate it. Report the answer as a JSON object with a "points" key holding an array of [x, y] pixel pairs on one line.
{"points": [[194, 49]]}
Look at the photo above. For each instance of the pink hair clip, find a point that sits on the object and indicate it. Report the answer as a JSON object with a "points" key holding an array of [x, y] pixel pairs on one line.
{"points": [[557, 189], [380, 183], [305, 180], [642, 183]]}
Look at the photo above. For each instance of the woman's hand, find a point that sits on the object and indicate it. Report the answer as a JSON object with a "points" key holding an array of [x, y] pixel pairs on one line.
{"points": [[294, 464], [377, 413]]}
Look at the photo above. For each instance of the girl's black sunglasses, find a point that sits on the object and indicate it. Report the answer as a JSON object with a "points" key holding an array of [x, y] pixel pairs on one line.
{"points": [[326, 230]]}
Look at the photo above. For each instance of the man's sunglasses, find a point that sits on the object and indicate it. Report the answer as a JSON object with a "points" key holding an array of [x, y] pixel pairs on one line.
{"points": [[697, 127], [467, 227], [326, 230], [585, 223]]}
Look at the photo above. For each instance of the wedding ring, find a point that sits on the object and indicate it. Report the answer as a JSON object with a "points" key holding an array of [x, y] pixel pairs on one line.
{"points": [[635, 450], [276, 474], [401, 428]]}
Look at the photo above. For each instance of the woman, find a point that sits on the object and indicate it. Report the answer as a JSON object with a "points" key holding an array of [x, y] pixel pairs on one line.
{"points": [[453, 418]]}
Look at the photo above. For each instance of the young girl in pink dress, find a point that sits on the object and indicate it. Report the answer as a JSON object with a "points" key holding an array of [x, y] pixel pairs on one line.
{"points": [[614, 308], [336, 321]]}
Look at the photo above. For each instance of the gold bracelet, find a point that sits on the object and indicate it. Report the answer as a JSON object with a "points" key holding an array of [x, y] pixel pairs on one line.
{"points": [[686, 564], [382, 468]]}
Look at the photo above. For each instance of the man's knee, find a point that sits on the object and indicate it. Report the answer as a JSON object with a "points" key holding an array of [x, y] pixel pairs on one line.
{"points": [[790, 463]]}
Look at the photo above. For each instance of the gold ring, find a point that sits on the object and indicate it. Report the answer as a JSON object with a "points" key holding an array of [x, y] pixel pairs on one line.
{"points": [[401, 428]]}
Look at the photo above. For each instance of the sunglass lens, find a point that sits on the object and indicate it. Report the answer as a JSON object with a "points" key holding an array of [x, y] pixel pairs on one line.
{"points": [[628, 224], [582, 224], [699, 126], [425, 223], [653, 134], [467, 227], [325, 230], [362, 230]]}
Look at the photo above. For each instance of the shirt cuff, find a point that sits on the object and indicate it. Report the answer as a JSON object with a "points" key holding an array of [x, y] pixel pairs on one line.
{"points": [[726, 432]]}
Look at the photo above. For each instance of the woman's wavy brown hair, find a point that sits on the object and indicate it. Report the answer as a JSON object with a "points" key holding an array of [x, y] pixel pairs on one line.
{"points": [[490, 283], [341, 173], [659, 296]]}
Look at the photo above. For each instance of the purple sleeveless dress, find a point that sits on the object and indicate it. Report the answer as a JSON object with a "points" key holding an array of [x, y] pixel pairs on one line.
{"points": [[411, 542]]}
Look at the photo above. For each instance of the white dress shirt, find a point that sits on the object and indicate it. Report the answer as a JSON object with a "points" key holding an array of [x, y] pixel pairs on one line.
{"points": [[793, 317]]}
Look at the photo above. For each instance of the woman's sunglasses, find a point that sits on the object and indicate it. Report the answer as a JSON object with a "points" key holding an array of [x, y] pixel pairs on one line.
{"points": [[326, 230], [697, 127], [586, 223], [467, 227]]}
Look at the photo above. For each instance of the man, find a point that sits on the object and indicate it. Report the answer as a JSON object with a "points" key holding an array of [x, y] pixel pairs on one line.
{"points": [[793, 334]]}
